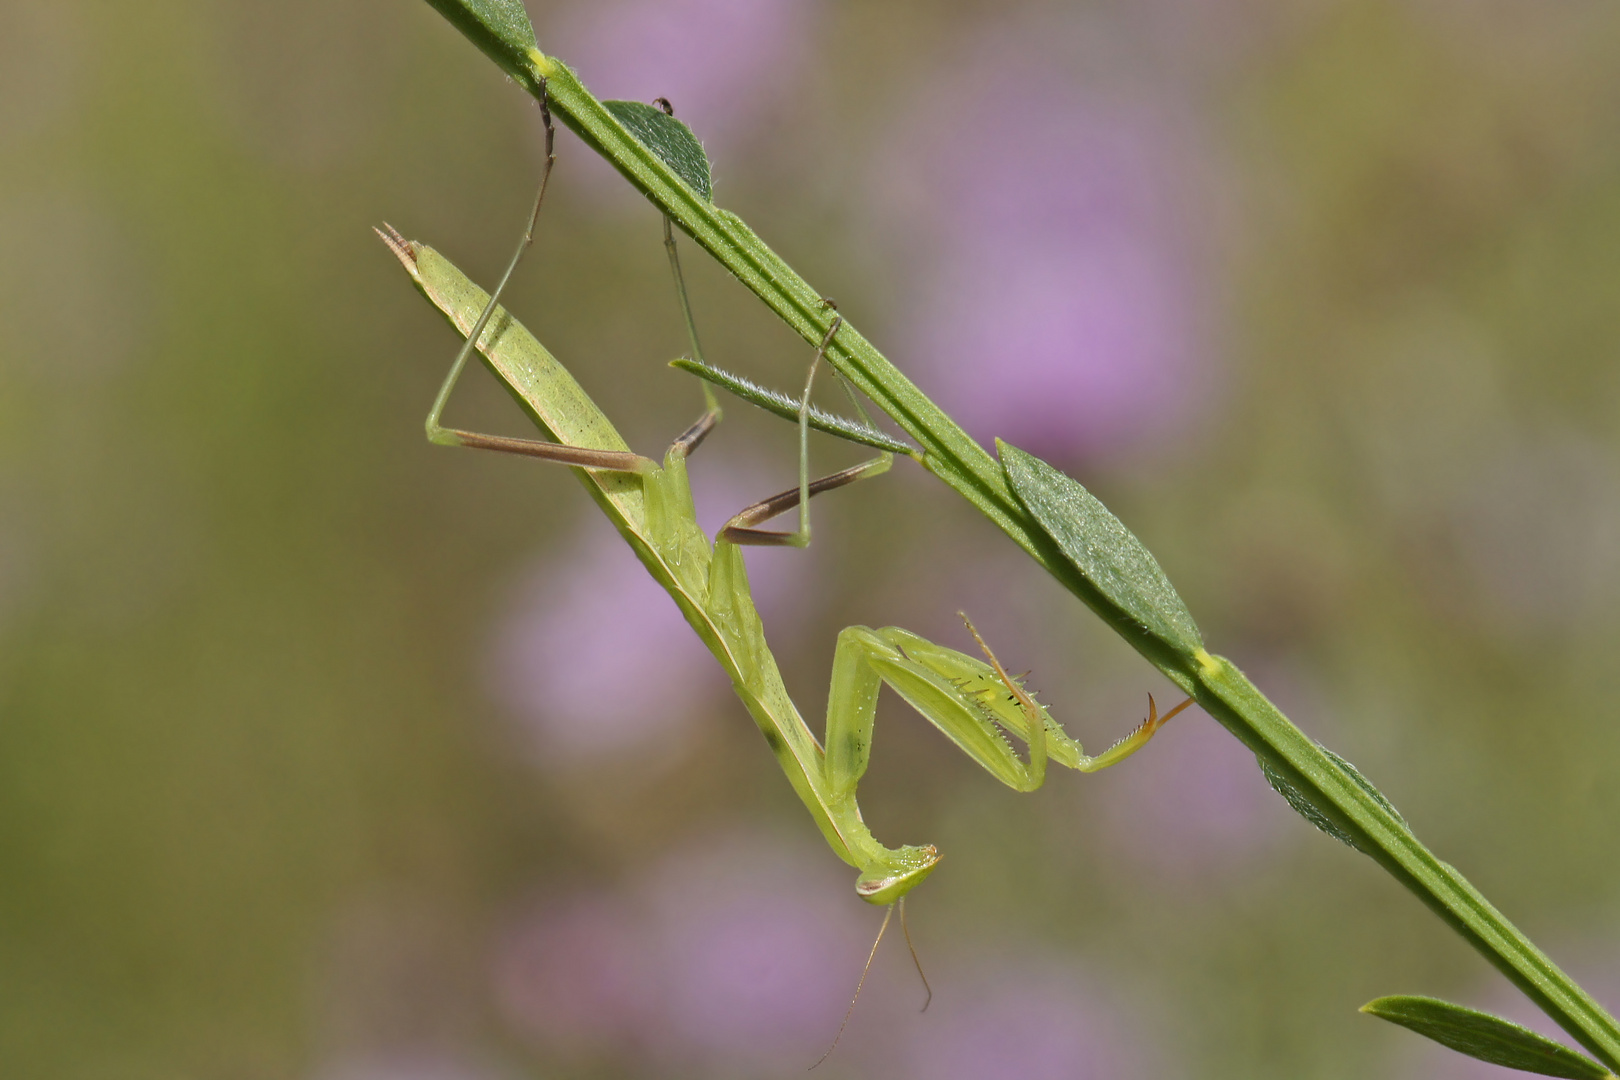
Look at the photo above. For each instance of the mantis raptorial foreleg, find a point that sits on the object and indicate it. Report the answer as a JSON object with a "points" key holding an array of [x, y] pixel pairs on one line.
{"points": [[974, 703]]}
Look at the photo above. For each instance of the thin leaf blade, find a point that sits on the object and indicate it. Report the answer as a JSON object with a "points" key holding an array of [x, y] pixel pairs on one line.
{"points": [[1486, 1037]]}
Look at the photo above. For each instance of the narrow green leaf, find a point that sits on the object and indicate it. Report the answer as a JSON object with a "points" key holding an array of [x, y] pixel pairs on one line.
{"points": [[778, 403], [1486, 1037], [500, 28], [1308, 810], [1105, 553], [670, 139]]}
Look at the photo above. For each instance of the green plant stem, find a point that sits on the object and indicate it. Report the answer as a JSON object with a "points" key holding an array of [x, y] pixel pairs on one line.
{"points": [[950, 454], [1233, 700]]}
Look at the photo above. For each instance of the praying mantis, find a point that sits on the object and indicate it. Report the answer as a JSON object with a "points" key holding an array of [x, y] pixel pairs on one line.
{"points": [[974, 703]]}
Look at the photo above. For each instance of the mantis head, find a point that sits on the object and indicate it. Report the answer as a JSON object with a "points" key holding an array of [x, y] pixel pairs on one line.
{"points": [[899, 872]]}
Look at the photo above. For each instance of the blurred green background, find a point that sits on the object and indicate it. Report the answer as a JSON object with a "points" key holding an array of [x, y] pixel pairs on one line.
{"points": [[327, 753]]}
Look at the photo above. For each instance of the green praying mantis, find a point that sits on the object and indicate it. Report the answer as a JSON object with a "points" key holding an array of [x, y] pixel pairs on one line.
{"points": [[975, 703]]}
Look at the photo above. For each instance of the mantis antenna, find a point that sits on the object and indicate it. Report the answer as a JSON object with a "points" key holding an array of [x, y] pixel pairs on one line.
{"points": [[905, 929], [867, 969], [888, 913]]}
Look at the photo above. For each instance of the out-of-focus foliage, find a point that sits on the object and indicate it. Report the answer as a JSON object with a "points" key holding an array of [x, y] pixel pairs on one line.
{"points": [[328, 753]]}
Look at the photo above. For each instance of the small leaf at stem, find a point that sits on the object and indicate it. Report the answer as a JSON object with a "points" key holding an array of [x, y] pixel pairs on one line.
{"points": [[501, 28], [1486, 1037], [1098, 545], [670, 139]]}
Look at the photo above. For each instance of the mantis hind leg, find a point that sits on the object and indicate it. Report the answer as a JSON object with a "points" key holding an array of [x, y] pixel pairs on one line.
{"points": [[613, 460]]}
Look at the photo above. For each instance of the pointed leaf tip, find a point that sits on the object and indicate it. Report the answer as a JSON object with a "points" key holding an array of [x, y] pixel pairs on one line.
{"points": [[1104, 552], [668, 138], [1486, 1037]]}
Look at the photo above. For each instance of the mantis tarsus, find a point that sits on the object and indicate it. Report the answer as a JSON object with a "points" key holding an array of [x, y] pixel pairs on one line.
{"points": [[974, 703]]}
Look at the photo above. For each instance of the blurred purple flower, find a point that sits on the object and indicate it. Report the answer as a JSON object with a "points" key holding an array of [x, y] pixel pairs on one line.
{"points": [[1192, 805], [576, 978], [724, 63], [738, 954], [738, 951], [1032, 1021], [1057, 295], [595, 657], [760, 943]]}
